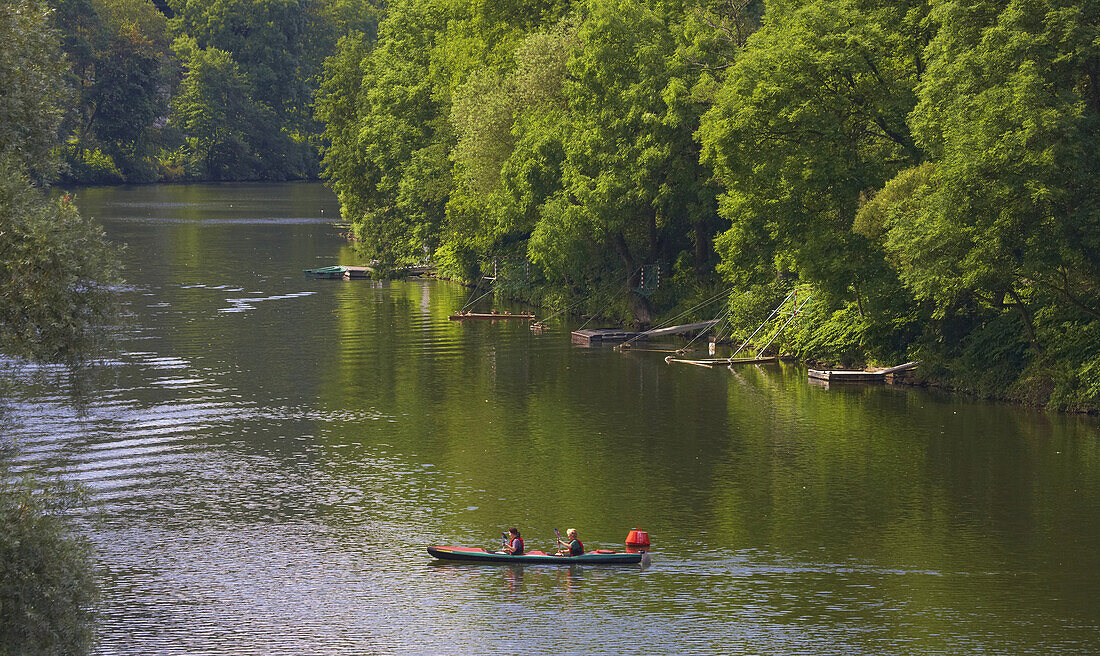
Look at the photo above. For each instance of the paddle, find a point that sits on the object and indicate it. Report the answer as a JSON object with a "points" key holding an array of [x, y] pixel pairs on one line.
{"points": [[560, 541], [504, 541]]}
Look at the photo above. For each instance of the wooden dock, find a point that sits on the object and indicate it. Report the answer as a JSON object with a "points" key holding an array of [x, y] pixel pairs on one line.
{"points": [[590, 336], [857, 376], [492, 316]]}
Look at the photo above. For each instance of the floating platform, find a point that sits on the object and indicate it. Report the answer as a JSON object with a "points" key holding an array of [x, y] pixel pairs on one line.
{"points": [[857, 376], [590, 336], [839, 375], [492, 316]]}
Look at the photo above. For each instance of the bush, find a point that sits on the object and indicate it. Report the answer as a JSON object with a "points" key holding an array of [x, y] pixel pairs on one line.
{"points": [[90, 166], [47, 588]]}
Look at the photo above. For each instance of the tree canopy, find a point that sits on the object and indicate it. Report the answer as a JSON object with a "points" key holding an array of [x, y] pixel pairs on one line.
{"points": [[926, 168]]}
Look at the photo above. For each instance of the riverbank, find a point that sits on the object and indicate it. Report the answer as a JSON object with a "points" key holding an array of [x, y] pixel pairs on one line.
{"points": [[995, 364]]}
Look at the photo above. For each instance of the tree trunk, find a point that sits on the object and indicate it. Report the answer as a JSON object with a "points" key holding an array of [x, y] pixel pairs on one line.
{"points": [[639, 305], [1029, 324], [702, 248]]}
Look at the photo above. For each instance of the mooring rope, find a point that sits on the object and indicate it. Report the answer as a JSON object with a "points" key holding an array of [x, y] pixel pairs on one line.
{"points": [[669, 322], [774, 312], [593, 317], [612, 287]]}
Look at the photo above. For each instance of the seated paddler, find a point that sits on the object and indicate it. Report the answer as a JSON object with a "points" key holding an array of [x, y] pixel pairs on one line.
{"points": [[515, 543], [571, 546]]}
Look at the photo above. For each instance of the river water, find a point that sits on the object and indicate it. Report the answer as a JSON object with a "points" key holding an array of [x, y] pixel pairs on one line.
{"points": [[267, 457]]}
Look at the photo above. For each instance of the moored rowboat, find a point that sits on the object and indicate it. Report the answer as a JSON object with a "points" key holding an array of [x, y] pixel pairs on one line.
{"points": [[329, 272], [474, 554]]}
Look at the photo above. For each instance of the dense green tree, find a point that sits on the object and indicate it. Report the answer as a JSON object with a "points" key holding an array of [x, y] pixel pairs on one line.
{"points": [[267, 39], [1011, 112], [128, 98], [1009, 216], [510, 127], [279, 47], [57, 274], [215, 111], [56, 268], [32, 101], [633, 184], [811, 121], [811, 116], [384, 120], [120, 69]]}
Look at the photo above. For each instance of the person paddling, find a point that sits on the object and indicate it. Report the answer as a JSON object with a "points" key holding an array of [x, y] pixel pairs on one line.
{"points": [[573, 547], [515, 543]]}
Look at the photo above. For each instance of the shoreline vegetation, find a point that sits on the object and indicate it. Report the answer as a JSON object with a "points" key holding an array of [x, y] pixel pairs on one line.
{"points": [[911, 378], [186, 91], [926, 170]]}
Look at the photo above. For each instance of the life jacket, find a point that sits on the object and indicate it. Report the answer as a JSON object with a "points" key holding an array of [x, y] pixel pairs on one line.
{"points": [[576, 552], [517, 546]]}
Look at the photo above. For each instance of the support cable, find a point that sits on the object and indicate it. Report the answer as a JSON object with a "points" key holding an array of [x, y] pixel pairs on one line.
{"points": [[762, 324], [786, 323], [671, 321]]}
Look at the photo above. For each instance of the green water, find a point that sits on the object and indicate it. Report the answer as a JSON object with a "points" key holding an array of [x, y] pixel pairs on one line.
{"points": [[267, 457]]}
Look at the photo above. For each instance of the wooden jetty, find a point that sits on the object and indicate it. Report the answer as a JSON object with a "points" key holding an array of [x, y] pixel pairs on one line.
{"points": [[526, 316], [722, 362], [857, 376], [590, 336]]}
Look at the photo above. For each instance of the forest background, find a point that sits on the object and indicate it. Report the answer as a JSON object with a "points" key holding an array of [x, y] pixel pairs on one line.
{"points": [[923, 170]]}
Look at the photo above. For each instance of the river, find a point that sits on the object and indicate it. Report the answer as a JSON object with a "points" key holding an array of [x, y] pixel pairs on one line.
{"points": [[267, 456]]}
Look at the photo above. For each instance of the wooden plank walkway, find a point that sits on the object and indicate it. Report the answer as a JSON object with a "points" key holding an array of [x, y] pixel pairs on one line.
{"points": [[590, 336], [675, 330]]}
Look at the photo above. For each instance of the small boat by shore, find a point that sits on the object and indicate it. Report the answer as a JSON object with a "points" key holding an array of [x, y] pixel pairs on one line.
{"points": [[327, 273], [478, 555]]}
